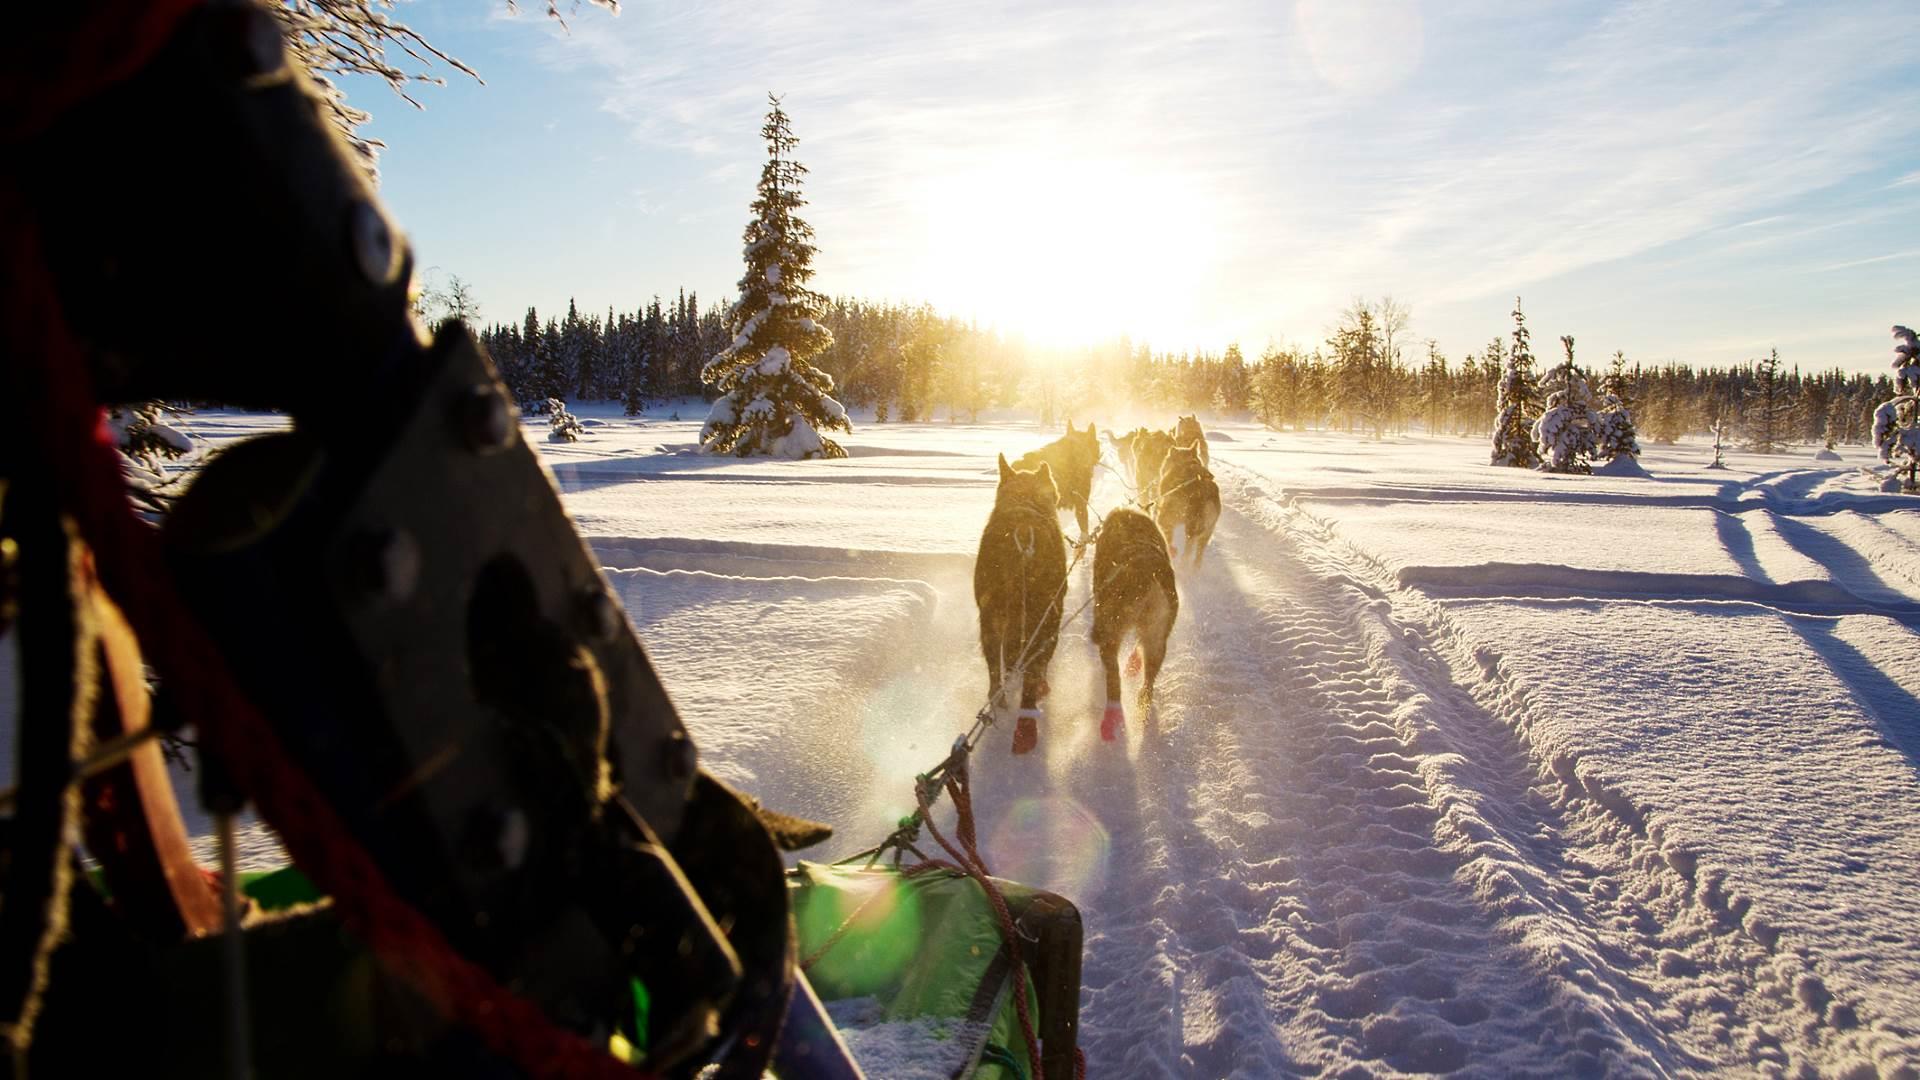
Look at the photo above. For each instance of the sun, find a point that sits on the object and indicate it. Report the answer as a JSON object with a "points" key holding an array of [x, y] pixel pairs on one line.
{"points": [[1065, 251]]}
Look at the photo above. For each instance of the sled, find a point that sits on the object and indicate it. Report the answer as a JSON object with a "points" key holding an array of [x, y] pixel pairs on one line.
{"points": [[912, 967]]}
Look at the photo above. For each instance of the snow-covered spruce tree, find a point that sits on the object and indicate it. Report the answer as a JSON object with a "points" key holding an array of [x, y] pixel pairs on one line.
{"points": [[1614, 432], [1517, 400], [1896, 423], [1565, 435], [1906, 361], [772, 401], [1769, 410]]}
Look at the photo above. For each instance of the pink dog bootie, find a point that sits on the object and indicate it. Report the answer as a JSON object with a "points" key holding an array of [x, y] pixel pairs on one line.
{"points": [[1111, 721], [1026, 731]]}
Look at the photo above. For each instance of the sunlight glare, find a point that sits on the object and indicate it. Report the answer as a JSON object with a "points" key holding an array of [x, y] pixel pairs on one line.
{"points": [[1064, 250], [900, 736]]}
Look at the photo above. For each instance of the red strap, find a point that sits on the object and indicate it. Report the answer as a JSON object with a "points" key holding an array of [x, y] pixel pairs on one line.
{"points": [[42, 80], [976, 868]]}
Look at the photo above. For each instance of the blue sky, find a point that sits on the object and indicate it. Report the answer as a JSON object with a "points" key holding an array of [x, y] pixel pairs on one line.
{"points": [[1693, 180]]}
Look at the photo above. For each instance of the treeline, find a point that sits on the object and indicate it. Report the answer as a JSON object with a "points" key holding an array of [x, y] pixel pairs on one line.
{"points": [[1371, 375], [1292, 389], [650, 354]]}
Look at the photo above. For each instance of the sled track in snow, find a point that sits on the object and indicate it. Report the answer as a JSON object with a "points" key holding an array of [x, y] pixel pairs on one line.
{"points": [[1342, 854], [1302, 910], [1641, 960]]}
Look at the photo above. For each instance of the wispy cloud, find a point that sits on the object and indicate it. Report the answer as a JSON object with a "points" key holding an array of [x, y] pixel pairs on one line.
{"points": [[1851, 263]]}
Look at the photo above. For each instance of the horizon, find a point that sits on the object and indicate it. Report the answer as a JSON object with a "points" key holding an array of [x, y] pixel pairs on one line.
{"points": [[1695, 187]]}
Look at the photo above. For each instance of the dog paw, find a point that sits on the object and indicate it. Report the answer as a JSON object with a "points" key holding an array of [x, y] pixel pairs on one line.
{"points": [[1112, 721]]}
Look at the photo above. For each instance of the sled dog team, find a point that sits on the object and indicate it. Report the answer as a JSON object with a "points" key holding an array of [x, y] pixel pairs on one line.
{"points": [[1020, 574]]}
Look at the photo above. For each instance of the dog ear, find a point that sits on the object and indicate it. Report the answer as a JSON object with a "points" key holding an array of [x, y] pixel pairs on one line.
{"points": [[1046, 474], [1006, 470]]}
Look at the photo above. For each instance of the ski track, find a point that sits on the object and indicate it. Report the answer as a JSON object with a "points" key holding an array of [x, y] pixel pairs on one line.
{"points": [[1339, 857], [1680, 974]]}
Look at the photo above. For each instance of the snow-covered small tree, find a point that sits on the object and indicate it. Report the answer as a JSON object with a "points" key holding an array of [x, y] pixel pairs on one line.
{"points": [[1896, 423], [1517, 400], [145, 437], [772, 401], [1614, 432], [565, 428], [1719, 438], [1565, 436]]}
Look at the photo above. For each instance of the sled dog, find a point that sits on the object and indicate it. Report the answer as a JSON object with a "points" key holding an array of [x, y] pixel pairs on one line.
{"points": [[1187, 496], [1132, 592], [1073, 457], [1019, 573], [1186, 432], [1149, 453]]}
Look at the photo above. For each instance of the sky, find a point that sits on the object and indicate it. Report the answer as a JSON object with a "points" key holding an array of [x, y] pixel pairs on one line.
{"points": [[1696, 181]]}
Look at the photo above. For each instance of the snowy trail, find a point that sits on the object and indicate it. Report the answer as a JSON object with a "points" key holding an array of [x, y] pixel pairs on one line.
{"points": [[1339, 853], [1383, 830], [1288, 899]]}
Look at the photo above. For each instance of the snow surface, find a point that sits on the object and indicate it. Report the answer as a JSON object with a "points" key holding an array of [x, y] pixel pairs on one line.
{"points": [[923, 1048], [1461, 768]]}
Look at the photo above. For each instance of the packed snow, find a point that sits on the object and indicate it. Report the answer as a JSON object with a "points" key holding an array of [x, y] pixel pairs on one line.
{"points": [[1461, 768]]}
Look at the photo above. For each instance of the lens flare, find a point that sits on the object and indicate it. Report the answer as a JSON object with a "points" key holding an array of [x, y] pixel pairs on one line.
{"points": [[1053, 842], [881, 917]]}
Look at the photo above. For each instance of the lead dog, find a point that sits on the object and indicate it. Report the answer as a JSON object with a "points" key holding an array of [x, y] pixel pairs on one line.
{"points": [[1018, 578], [1187, 497], [1123, 449], [1133, 592], [1073, 457]]}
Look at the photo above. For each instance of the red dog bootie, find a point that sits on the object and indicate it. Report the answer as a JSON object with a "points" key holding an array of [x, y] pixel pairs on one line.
{"points": [[1026, 731], [1133, 661], [1112, 721]]}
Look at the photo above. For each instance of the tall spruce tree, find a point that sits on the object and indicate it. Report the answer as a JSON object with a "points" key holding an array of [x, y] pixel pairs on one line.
{"points": [[633, 369], [772, 401], [1769, 409], [548, 378], [1517, 401]]}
